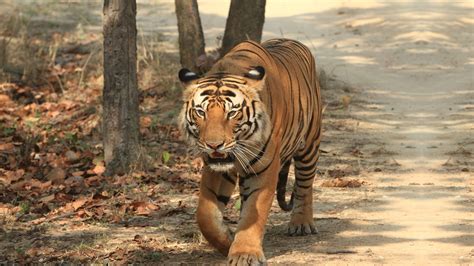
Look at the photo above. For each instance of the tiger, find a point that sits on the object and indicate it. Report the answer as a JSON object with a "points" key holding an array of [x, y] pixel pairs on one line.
{"points": [[254, 112]]}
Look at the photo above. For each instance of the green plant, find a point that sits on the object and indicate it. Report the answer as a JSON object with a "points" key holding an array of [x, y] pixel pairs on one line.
{"points": [[70, 138], [154, 123], [7, 131], [24, 207], [238, 204], [153, 256], [165, 157]]}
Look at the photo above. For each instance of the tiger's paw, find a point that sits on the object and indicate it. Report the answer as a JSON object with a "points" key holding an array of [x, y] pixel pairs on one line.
{"points": [[246, 259], [302, 229]]}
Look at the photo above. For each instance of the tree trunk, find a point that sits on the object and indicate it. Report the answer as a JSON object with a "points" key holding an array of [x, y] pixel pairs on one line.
{"points": [[191, 37], [245, 22], [120, 95]]}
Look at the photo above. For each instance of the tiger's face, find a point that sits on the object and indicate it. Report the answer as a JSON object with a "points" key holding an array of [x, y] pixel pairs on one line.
{"points": [[224, 118]]}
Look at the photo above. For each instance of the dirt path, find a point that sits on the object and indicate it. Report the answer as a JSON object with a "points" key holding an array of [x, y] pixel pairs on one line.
{"points": [[413, 64]]}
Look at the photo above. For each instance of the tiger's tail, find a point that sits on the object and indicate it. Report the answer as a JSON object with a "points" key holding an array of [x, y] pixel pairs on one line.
{"points": [[281, 189]]}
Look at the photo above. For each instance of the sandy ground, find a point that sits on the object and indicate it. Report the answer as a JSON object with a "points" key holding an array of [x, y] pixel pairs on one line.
{"points": [[405, 71]]}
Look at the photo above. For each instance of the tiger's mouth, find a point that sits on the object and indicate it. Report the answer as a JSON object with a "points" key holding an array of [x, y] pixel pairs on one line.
{"points": [[219, 158], [217, 154]]}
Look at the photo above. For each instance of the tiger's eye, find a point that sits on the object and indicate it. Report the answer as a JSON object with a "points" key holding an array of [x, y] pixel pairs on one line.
{"points": [[231, 114], [200, 112]]}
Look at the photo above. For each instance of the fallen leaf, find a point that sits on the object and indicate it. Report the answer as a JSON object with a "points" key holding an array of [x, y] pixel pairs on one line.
{"points": [[78, 173], [138, 238], [19, 185], [99, 169], [90, 181], [79, 203], [74, 181], [6, 209], [6, 147], [339, 182], [45, 185], [143, 207], [32, 252], [12, 176], [336, 173], [346, 100], [48, 199], [101, 196], [56, 175], [63, 197], [145, 121], [356, 152], [5, 101], [71, 156]]}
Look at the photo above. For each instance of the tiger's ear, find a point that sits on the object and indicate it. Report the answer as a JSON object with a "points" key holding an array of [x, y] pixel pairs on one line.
{"points": [[185, 75], [256, 78], [256, 73]]}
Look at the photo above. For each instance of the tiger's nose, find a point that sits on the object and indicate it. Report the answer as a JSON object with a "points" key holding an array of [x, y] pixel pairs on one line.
{"points": [[215, 144]]}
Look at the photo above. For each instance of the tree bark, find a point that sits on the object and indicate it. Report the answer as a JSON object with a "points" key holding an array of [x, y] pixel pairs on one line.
{"points": [[245, 22], [120, 94], [191, 37]]}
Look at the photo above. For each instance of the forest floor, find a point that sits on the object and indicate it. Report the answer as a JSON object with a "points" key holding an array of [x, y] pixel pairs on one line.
{"points": [[395, 181]]}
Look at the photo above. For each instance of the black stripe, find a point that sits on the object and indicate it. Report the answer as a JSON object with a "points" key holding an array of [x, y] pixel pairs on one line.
{"points": [[311, 176], [249, 134], [299, 197], [241, 180], [301, 186], [228, 93], [260, 154], [266, 167], [227, 177], [304, 158], [223, 199], [313, 157], [230, 85], [240, 56], [304, 168], [247, 113], [207, 92], [190, 132]]}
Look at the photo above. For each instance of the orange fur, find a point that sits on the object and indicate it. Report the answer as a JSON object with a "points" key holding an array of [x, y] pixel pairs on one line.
{"points": [[254, 112]]}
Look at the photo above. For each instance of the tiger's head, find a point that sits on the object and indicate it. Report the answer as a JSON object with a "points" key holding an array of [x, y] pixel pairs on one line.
{"points": [[224, 117]]}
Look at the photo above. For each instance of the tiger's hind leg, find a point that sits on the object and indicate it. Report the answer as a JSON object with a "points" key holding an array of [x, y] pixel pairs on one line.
{"points": [[301, 222], [216, 189]]}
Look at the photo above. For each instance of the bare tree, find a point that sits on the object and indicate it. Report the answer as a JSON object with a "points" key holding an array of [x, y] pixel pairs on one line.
{"points": [[245, 22], [120, 94], [191, 37]]}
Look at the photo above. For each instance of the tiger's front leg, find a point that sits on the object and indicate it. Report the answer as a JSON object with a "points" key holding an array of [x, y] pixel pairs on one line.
{"points": [[216, 189], [256, 193]]}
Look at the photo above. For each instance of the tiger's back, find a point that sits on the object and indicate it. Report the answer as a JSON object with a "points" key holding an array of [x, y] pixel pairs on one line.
{"points": [[298, 87]]}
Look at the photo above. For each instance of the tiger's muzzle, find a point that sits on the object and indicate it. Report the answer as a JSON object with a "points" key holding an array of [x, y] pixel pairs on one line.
{"points": [[218, 156]]}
